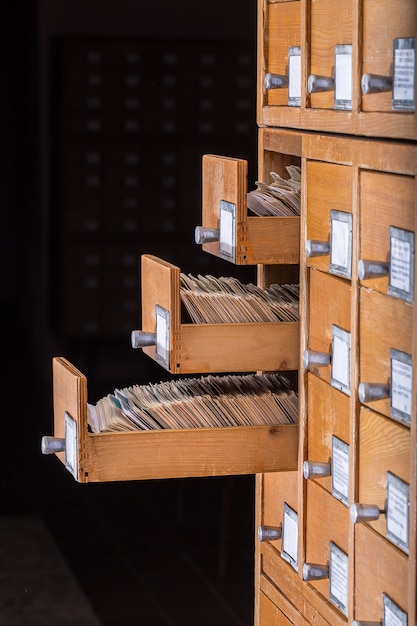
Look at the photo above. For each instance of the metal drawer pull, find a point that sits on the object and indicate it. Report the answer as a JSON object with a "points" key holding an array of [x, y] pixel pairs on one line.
{"points": [[313, 571], [372, 269], [316, 248], [371, 392], [314, 469], [316, 84], [364, 512], [275, 81], [51, 445], [141, 339], [206, 235], [316, 359], [269, 533], [373, 83]]}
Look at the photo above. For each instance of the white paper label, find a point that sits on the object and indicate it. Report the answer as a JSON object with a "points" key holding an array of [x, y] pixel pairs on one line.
{"points": [[401, 385], [398, 504], [289, 546], [338, 575], [341, 360], [400, 264], [343, 77], [340, 470], [227, 228], [404, 74]]}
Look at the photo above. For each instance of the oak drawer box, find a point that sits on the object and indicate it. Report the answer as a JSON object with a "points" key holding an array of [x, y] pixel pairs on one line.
{"points": [[329, 208], [342, 68], [197, 348], [168, 453], [379, 569], [327, 527], [329, 316], [381, 228], [384, 454], [237, 235], [386, 331], [328, 435]]}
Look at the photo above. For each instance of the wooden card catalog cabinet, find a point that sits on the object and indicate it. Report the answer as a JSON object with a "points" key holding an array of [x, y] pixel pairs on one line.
{"points": [[345, 67], [184, 348], [229, 230], [169, 453]]}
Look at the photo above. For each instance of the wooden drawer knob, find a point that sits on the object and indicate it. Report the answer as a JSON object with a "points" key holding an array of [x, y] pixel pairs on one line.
{"points": [[269, 533]]}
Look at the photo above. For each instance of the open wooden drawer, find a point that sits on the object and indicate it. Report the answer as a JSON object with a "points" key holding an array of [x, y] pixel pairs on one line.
{"points": [[202, 348], [144, 455], [228, 231]]}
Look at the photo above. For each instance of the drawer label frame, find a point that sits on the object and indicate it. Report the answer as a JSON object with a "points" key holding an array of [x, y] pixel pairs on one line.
{"points": [[294, 76], [340, 470], [227, 230], [404, 74], [162, 333], [338, 578], [340, 376], [392, 615], [401, 264], [341, 243], [398, 511], [343, 70], [289, 544], [401, 388], [71, 445]]}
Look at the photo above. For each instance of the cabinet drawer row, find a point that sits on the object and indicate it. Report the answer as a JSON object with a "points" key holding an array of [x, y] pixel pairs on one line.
{"points": [[346, 68]]}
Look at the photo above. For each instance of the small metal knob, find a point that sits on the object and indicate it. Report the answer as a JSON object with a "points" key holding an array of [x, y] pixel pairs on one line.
{"points": [[51, 445], [372, 269], [373, 83], [371, 392], [316, 84], [275, 81], [269, 533], [206, 235], [140, 339], [314, 469], [316, 359], [360, 622], [313, 571], [316, 248], [364, 512]]}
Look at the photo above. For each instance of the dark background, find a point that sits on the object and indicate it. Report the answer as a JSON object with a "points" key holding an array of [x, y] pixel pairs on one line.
{"points": [[160, 552]]}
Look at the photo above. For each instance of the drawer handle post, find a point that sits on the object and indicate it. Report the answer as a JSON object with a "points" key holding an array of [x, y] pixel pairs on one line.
{"points": [[141, 339], [364, 512], [315, 469], [51, 445], [371, 392], [269, 533], [374, 83], [316, 248], [372, 269], [360, 622], [316, 83], [313, 571], [275, 81], [316, 359], [206, 235]]}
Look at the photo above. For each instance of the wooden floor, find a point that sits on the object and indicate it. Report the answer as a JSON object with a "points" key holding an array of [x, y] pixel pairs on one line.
{"points": [[153, 553]]}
